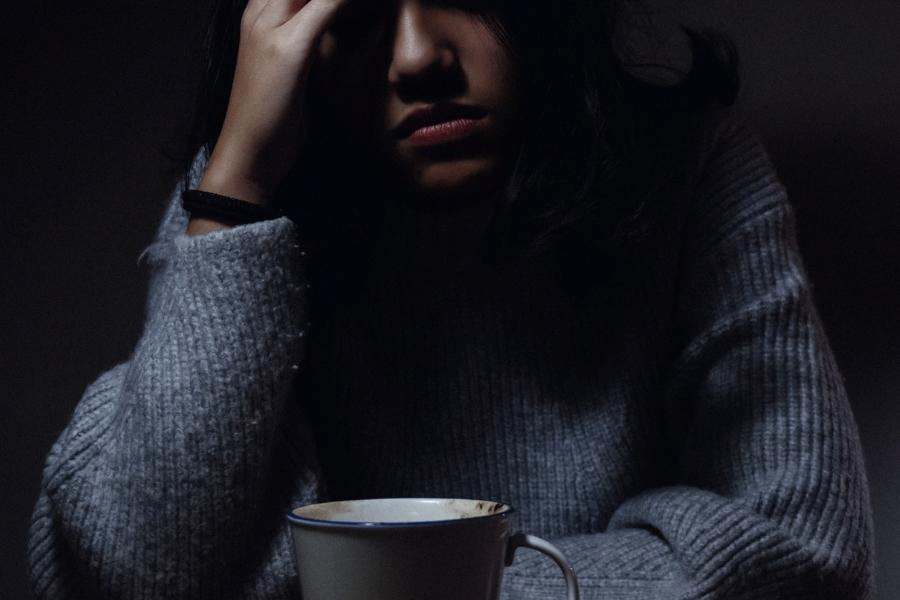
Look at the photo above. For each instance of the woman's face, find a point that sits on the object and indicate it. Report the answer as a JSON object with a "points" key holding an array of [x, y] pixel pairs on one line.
{"points": [[382, 60]]}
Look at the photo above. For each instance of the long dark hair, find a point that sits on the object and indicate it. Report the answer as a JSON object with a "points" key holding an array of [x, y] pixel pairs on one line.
{"points": [[600, 137]]}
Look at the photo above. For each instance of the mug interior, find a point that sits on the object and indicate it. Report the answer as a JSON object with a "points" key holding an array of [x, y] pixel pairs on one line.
{"points": [[399, 510]]}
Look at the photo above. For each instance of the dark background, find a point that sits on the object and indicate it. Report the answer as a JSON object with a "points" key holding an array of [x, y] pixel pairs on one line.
{"points": [[95, 93]]}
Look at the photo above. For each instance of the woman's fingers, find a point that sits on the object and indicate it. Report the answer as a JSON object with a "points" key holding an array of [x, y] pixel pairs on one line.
{"points": [[276, 12], [279, 12], [308, 24], [252, 11]]}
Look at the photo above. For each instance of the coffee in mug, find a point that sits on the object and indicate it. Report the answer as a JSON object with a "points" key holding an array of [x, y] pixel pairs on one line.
{"points": [[409, 549]]}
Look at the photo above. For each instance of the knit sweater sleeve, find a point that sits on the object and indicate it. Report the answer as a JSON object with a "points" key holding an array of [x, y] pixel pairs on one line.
{"points": [[771, 499], [165, 482]]}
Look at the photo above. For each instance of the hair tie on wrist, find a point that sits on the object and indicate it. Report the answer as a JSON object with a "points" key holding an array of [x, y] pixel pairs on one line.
{"points": [[225, 208]]}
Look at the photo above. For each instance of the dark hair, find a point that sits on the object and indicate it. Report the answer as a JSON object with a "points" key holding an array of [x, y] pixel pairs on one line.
{"points": [[601, 139]]}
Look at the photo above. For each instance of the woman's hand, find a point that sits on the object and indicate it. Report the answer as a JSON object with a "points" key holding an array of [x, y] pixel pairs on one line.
{"points": [[264, 125]]}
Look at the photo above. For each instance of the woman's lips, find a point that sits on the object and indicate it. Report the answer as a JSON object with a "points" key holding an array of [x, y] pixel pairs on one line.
{"points": [[439, 122], [448, 131]]}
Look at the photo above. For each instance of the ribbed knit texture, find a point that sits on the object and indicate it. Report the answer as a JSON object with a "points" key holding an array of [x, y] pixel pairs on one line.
{"points": [[684, 434]]}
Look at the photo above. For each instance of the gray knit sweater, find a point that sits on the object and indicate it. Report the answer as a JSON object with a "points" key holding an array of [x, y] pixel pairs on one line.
{"points": [[685, 434]]}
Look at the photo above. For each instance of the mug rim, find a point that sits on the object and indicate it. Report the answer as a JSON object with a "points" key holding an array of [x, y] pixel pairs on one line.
{"points": [[298, 520]]}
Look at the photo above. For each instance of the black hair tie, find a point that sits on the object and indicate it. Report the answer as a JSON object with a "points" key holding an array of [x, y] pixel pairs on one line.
{"points": [[225, 208]]}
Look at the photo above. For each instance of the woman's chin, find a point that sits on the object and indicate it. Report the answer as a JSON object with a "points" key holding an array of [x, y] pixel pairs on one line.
{"points": [[462, 180]]}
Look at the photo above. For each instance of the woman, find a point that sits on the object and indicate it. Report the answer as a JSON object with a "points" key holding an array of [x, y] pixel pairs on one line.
{"points": [[583, 297]]}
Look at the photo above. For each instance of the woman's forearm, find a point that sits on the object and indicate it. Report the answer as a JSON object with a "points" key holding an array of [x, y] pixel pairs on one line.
{"points": [[169, 458]]}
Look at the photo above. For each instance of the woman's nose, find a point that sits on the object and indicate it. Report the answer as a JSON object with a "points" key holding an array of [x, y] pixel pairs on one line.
{"points": [[422, 49]]}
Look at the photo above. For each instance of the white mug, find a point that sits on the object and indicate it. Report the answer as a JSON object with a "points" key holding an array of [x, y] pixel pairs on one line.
{"points": [[409, 549]]}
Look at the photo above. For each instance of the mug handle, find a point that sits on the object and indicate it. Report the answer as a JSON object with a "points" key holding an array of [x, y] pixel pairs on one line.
{"points": [[522, 540]]}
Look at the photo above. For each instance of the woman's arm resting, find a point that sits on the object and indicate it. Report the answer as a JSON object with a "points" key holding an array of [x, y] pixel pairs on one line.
{"points": [[156, 487], [772, 500]]}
